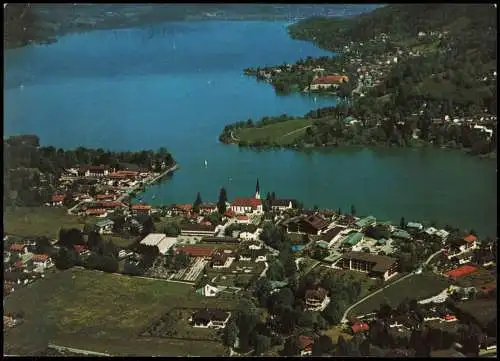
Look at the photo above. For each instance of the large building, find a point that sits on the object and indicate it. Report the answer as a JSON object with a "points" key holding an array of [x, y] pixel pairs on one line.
{"points": [[197, 230], [160, 240], [312, 224], [375, 265], [317, 299], [246, 205], [329, 81]]}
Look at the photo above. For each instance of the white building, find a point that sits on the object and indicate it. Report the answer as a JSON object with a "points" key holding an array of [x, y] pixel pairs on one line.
{"points": [[160, 240]]}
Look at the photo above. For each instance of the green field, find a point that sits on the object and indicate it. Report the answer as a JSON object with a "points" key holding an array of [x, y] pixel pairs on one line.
{"points": [[39, 221], [418, 287], [281, 133], [102, 312], [119, 241]]}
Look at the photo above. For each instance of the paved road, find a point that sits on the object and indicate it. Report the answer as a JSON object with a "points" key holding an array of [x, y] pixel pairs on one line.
{"points": [[344, 317], [265, 270]]}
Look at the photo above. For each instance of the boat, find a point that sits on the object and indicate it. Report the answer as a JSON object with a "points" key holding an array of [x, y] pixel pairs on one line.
{"points": [[206, 163]]}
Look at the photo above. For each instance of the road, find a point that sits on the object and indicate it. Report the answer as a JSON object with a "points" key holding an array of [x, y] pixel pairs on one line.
{"points": [[294, 131], [344, 317], [76, 350], [131, 189], [265, 270]]}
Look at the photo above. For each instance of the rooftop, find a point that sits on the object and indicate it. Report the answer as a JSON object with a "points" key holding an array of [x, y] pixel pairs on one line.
{"points": [[246, 202], [382, 263], [196, 251]]}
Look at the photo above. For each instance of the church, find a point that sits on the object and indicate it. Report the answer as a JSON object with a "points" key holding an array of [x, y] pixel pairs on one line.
{"points": [[248, 205]]}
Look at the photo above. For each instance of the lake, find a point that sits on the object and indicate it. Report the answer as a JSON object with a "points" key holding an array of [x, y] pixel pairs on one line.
{"points": [[177, 85]]}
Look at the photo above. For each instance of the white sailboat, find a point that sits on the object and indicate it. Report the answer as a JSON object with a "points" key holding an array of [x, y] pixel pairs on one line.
{"points": [[173, 46], [206, 163]]}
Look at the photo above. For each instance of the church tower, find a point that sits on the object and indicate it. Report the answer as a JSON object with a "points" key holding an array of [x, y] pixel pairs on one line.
{"points": [[257, 190]]}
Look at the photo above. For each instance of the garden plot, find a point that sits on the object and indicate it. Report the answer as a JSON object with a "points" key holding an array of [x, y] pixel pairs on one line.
{"points": [[192, 272]]}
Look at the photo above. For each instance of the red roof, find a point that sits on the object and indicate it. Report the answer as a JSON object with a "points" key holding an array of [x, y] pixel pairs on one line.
{"points": [[470, 238], [141, 207], [58, 198], [185, 207], [242, 218], [331, 79], [360, 326], [16, 247], [111, 204], [127, 172], [105, 196], [80, 248], [305, 341], [40, 257], [246, 202], [196, 251], [461, 271], [19, 264]]}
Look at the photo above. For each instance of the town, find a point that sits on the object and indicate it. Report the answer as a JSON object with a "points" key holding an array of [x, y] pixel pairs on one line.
{"points": [[324, 277]]}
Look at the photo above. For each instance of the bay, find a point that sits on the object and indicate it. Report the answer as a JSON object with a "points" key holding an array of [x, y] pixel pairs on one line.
{"points": [[178, 84]]}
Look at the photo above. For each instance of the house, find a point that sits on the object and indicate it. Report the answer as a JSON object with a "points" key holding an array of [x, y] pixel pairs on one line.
{"points": [[159, 240], [99, 212], [197, 230], [81, 250], [93, 171], [375, 265], [221, 259], [57, 200], [415, 226], [207, 208], [470, 242], [208, 291], [105, 197], [105, 226], [182, 209], [316, 300], [246, 205], [330, 235], [306, 344], [141, 209], [210, 318], [352, 240], [365, 222], [41, 261], [401, 234], [18, 248], [431, 231], [358, 327], [312, 224], [192, 251], [329, 81], [283, 204]]}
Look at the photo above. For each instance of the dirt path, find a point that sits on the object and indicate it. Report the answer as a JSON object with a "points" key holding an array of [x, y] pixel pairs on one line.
{"points": [[295, 131]]}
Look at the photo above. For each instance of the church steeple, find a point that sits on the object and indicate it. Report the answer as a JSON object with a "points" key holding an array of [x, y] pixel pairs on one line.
{"points": [[257, 190]]}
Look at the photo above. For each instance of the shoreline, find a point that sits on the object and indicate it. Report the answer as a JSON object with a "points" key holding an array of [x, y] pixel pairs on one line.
{"points": [[138, 187]]}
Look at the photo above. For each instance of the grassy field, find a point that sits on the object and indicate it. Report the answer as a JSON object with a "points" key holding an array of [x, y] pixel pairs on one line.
{"points": [[101, 312], [39, 221], [335, 332], [419, 287], [119, 241], [282, 133]]}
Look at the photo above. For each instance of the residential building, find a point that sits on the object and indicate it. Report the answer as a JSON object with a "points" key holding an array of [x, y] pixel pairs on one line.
{"points": [[365, 222], [331, 234], [207, 208], [18, 248], [210, 318], [57, 200], [41, 262], [105, 226], [246, 205], [159, 240], [221, 259], [415, 226], [317, 299], [242, 219], [401, 234], [93, 171], [375, 265], [359, 327], [82, 250], [197, 230], [208, 291], [306, 343], [352, 239], [141, 209], [99, 212], [312, 224], [470, 242], [283, 204]]}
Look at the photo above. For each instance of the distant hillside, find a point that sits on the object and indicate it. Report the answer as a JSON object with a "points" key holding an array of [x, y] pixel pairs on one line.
{"points": [[475, 22], [34, 23]]}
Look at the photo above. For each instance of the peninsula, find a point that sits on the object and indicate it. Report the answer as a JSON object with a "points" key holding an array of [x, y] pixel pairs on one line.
{"points": [[407, 76]]}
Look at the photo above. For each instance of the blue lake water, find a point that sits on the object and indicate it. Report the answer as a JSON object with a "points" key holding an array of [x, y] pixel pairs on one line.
{"points": [[177, 85]]}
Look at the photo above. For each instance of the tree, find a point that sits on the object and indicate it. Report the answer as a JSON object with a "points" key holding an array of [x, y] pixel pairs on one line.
{"points": [[42, 244], [275, 271], [402, 223], [94, 241], [332, 313], [322, 346], [181, 260], [262, 344], [353, 211], [306, 319], [172, 229], [64, 259], [230, 333], [291, 347], [342, 349], [221, 204], [197, 203], [148, 226]]}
